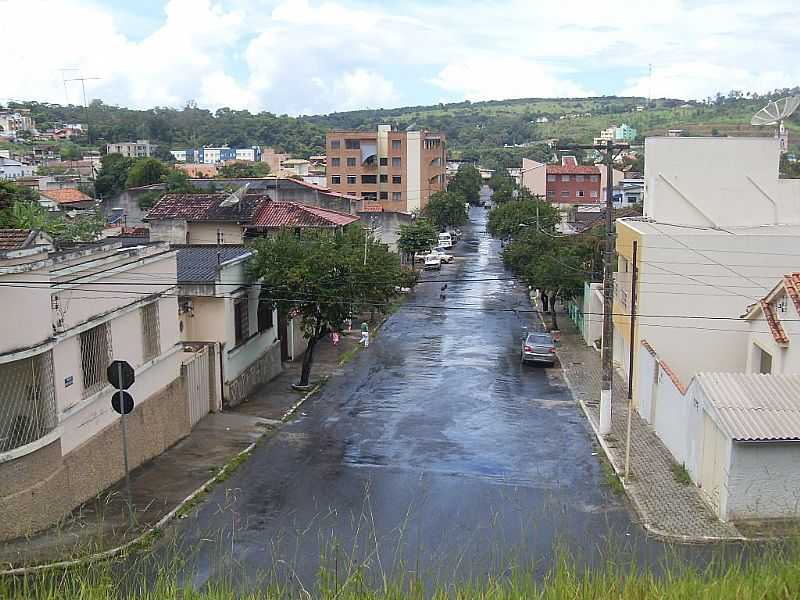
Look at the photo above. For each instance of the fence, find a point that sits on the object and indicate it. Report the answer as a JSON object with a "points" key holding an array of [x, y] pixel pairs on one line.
{"points": [[576, 313]]}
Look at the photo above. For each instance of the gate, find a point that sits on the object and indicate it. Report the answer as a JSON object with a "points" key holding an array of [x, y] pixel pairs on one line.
{"points": [[197, 378]]}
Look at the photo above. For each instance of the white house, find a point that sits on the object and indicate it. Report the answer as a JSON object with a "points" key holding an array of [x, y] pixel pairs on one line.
{"points": [[66, 315], [11, 169]]}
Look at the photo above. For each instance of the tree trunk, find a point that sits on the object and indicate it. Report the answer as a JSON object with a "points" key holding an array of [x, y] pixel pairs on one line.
{"points": [[553, 314], [308, 359]]}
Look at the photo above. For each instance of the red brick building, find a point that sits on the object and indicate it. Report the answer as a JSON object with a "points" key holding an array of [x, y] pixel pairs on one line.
{"points": [[571, 183]]}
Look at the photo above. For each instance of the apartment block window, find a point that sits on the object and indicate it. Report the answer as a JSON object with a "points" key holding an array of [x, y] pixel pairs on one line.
{"points": [[397, 179], [551, 178], [578, 177], [95, 357], [336, 144], [565, 193], [384, 161], [551, 192], [384, 195], [335, 162], [370, 196], [220, 236], [241, 320], [395, 161], [594, 178], [336, 179], [369, 179], [579, 194], [565, 178], [151, 342], [384, 178], [396, 144], [351, 162], [264, 316], [352, 144], [594, 194], [397, 196], [351, 179]]}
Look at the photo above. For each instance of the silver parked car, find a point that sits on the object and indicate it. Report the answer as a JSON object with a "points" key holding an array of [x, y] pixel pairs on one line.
{"points": [[539, 347]]}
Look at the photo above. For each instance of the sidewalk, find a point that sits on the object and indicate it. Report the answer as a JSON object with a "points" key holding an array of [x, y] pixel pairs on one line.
{"points": [[162, 484], [666, 507]]}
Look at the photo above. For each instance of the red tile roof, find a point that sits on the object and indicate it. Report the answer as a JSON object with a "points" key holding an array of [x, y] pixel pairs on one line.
{"points": [[290, 214], [206, 207], [572, 170], [66, 196], [791, 284], [774, 325], [15, 239]]}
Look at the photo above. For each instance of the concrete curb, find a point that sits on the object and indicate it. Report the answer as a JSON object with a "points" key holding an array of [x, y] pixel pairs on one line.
{"points": [[163, 521], [619, 470]]}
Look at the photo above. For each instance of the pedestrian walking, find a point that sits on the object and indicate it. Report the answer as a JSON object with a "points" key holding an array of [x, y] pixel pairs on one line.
{"points": [[335, 338], [364, 334], [544, 301]]}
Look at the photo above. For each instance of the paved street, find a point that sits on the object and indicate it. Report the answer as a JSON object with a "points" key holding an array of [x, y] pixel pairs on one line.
{"points": [[437, 451]]}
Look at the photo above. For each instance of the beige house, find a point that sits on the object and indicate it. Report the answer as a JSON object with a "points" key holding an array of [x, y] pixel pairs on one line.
{"points": [[217, 304], [67, 314]]}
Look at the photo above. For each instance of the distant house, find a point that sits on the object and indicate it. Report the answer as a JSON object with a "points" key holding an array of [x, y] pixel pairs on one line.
{"points": [[297, 166], [217, 304], [571, 183], [137, 149], [11, 170], [65, 199], [273, 216]]}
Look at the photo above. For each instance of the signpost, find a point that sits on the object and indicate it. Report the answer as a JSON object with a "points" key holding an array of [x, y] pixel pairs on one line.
{"points": [[120, 375]]}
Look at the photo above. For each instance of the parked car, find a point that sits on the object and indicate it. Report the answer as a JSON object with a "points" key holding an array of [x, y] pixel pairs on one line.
{"points": [[444, 256], [445, 240], [432, 262], [539, 347]]}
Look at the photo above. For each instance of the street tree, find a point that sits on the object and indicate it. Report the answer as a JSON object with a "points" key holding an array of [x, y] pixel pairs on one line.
{"points": [[419, 236], [506, 219], [113, 175], [146, 171], [321, 278], [467, 182], [446, 209]]}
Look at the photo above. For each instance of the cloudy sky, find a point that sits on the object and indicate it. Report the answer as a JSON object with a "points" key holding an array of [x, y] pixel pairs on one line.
{"points": [[309, 56]]}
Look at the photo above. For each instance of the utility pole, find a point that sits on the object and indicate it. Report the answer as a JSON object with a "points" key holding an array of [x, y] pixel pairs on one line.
{"points": [[607, 353], [83, 81]]}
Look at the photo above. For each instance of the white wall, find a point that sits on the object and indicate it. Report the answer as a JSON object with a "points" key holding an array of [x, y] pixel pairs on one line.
{"points": [[764, 480], [25, 315], [413, 173], [718, 181], [534, 176], [785, 360], [206, 233]]}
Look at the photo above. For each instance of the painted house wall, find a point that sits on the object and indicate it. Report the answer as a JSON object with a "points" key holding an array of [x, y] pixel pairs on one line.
{"points": [[764, 480], [785, 360], [23, 305], [203, 232], [534, 176]]}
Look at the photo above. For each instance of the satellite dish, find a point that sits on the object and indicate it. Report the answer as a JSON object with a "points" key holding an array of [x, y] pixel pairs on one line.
{"points": [[774, 113], [236, 196]]}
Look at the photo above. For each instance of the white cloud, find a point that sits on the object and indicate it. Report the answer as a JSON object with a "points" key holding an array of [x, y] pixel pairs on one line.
{"points": [[361, 88]]}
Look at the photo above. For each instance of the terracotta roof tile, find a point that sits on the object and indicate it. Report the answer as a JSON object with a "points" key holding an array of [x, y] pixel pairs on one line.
{"points": [[290, 214], [14, 239], [66, 196], [774, 325], [206, 207]]}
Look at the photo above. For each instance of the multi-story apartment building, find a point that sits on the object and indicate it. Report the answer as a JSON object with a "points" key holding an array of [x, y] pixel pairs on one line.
{"points": [[397, 169], [14, 120], [137, 149], [211, 155]]}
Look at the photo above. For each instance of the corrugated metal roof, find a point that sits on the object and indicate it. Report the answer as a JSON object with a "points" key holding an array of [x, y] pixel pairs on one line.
{"points": [[292, 214], [752, 407], [199, 264]]}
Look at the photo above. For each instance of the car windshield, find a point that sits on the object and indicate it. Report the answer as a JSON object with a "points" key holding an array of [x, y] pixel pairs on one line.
{"points": [[540, 339]]}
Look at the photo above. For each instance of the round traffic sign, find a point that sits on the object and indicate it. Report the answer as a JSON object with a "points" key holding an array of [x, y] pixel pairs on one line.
{"points": [[120, 374], [122, 401]]}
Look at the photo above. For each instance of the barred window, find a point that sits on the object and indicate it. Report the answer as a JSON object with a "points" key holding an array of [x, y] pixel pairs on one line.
{"points": [[241, 320], [95, 357], [264, 316], [27, 401], [151, 342]]}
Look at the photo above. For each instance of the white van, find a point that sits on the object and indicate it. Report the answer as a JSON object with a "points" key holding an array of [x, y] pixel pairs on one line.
{"points": [[445, 240]]}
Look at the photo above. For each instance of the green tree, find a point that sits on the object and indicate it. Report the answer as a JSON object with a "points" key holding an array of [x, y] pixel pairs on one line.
{"points": [[70, 151], [146, 171], [509, 219], [503, 187], [113, 175], [467, 182], [148, 199], [446, 209], [177, 182], [321, 278], [11, 192], [244, 169], [419, 236]]}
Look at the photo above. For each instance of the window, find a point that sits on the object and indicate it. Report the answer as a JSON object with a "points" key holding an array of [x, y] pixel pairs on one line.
{"points": [[336, 144], [351, 179], [384, 178], [151, 344], [384, 195], [352, 144], [95, 357], [264, 316], [565, 193], [220, 236], [765, 362], [369, 179], [384, 161], [335, 162], [565, 178], [351, 162], [241, 320], [336, 179], [594, 178], [594, 194], [397, 179], [551, 192], [578, 177], [579, 194], [551, 178], [27, 397], [397, 196], [370, 196], [395, 161], [396, 144]]}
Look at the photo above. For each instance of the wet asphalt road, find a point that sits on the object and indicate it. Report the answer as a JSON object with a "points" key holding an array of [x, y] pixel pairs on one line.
{"points": [[437, 450]]}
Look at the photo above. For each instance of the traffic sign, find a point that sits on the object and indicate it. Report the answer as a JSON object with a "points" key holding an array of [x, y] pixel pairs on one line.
{"points": [[122, 400], [120, 374]]}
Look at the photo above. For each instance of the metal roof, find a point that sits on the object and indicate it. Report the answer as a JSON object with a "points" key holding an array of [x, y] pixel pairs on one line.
{"points": [[200, 264], [754, 406]]}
